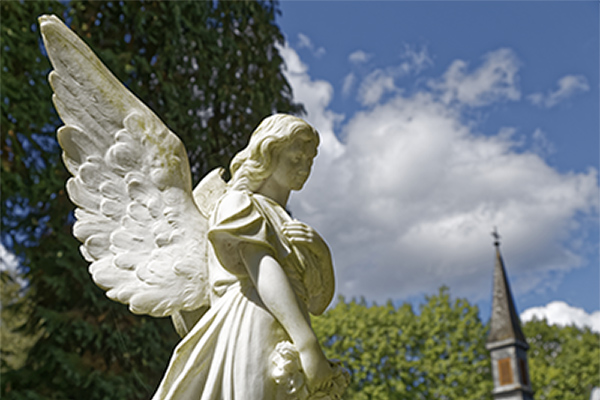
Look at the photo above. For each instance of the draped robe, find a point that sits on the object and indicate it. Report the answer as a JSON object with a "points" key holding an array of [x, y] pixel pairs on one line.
{"points": [[238, 350]]}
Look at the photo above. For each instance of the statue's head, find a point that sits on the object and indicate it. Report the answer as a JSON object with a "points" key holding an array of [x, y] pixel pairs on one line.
{"points": [[253, 165]]}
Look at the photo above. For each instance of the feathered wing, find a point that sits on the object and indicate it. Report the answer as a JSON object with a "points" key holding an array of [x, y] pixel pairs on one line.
{"points": [[136, 217]]}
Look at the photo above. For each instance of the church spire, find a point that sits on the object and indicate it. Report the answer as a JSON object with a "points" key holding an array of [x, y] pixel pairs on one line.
{"points": [[505, 323], [506, 343]]}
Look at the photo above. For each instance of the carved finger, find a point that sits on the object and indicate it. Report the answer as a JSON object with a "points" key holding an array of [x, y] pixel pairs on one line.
{"points": [[299, 234], [296, 225], [297, 229]]}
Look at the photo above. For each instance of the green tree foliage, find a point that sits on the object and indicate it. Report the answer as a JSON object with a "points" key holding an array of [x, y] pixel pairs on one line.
{"points": [[395, 353], [439, 353], [564, 362], [211, 71]]}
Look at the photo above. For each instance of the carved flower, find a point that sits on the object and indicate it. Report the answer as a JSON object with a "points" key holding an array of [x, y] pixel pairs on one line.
{"points": [[287, 373]]}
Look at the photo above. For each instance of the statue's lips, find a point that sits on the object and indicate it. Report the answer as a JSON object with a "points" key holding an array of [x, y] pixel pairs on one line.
{"points": [[303, 174]]}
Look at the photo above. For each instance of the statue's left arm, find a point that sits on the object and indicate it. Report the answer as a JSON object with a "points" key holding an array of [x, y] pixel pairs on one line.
{"points": [[279, 298]]}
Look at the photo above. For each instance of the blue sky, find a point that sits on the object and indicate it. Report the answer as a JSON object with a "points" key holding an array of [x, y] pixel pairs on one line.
{"points": [[441, 120]]}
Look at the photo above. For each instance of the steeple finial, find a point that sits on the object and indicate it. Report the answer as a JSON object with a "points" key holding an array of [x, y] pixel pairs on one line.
{"points": [[496, 237]]}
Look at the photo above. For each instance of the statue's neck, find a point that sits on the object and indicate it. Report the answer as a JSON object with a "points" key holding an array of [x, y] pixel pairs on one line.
{"points": [[271, 189]]}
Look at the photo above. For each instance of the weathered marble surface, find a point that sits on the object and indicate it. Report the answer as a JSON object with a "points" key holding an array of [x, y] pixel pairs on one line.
{"points": [[225, 260]]}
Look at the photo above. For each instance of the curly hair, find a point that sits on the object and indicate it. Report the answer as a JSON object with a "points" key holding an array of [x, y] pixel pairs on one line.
{"points": [[255, 164]]}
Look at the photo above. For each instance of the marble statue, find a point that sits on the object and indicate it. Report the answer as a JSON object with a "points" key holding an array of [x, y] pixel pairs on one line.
{"points": [[225, 260]]}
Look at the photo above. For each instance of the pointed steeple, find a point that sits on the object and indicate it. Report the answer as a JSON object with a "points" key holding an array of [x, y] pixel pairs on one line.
{"points": [[506, 343], [505, 322]]}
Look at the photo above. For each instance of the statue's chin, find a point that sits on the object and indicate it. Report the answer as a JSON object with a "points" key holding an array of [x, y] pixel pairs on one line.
{"points": [[298, 186]]}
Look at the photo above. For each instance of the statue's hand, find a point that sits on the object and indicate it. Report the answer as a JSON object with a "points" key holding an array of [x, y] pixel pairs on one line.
{"points": [[317, 368], [301, 234]]}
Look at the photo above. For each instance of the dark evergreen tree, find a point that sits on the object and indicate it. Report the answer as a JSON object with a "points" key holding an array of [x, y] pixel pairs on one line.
{"points": [[211, 71]]}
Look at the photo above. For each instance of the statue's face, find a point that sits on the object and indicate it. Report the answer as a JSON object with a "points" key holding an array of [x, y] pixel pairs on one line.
{"points": [[294, 162]]}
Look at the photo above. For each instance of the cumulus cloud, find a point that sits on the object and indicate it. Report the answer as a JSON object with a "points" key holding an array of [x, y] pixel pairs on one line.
{"points": [[316, 96], [494, 80], [560, 313], [567, 86], [409, 195], [359, 57]]}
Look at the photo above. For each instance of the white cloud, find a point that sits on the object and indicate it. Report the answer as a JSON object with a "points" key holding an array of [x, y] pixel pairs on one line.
{"points": [[316, 96], [560, 313], [567, 86], [294, 67], [409, 197], [305, 42], [359, 57], [494, 80], [541, 144], [375, 85], [415, 60], [320, 52], [380, 82], [348, 84]]}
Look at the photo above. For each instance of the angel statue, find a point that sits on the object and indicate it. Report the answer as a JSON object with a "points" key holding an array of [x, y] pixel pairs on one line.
{"points": [[225, 260]]}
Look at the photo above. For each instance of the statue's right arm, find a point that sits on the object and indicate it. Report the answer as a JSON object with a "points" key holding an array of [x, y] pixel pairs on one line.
{"points": [[279, 297]]}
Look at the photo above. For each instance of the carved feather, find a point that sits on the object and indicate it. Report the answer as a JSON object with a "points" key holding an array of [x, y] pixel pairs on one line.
{"points": [[136, 215]]}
